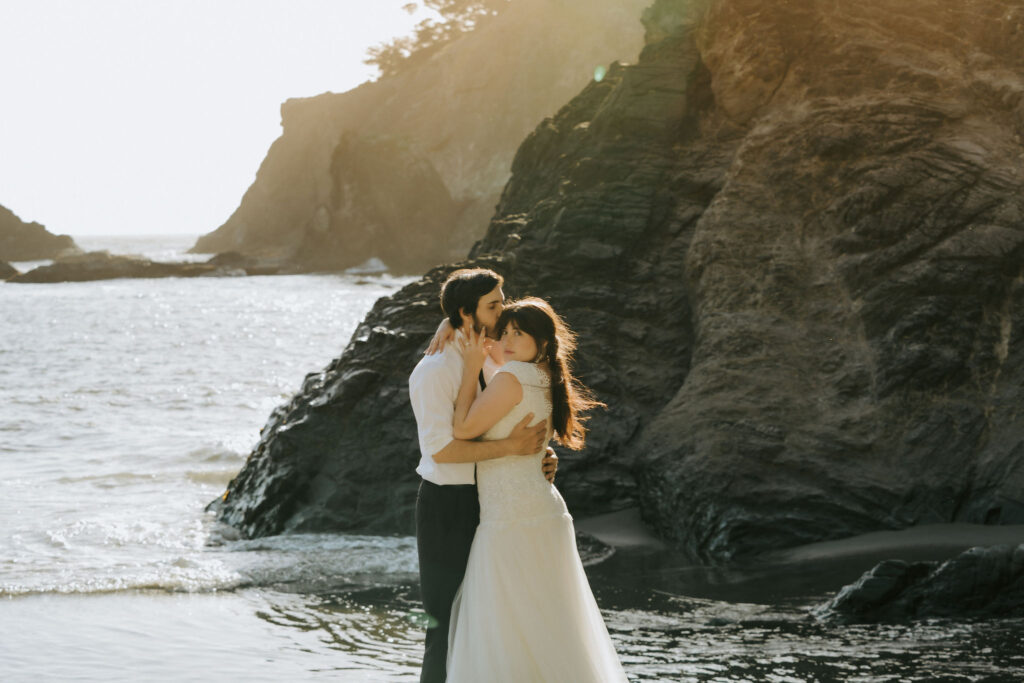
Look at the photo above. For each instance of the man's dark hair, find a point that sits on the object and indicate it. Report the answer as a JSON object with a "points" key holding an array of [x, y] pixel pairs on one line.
{"points": [[463, 289]]}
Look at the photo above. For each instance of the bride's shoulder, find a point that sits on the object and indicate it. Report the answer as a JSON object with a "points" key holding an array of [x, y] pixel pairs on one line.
{"points": [[526, 373]]}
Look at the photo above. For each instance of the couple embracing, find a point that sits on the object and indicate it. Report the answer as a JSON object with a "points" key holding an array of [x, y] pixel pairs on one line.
{"points": [[502, 583]]}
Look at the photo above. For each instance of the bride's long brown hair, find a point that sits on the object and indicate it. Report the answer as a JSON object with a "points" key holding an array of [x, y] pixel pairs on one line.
{"points": [[556, 344]]}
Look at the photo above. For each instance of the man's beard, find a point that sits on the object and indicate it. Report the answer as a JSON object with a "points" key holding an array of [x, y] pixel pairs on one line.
{"points": [[479, 327]]}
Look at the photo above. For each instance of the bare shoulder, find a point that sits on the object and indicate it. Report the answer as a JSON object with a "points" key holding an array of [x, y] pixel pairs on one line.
{"points": [[505, 379], [506, 383]]}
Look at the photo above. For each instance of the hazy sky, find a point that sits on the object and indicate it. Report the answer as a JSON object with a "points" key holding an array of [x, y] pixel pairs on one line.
{"points": [[152, 116]]}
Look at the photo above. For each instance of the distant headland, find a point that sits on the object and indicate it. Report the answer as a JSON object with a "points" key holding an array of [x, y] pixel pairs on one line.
{"points": [[21, 241]]}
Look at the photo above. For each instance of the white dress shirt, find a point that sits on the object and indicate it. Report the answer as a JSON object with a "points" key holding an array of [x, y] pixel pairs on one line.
{"points": [[433, 389]]}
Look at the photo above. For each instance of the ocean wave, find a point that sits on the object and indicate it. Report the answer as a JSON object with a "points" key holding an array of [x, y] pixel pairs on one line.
{"points": [[300, 563], [179, 576]]}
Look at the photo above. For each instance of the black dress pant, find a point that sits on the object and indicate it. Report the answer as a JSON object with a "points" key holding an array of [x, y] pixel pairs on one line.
{"points": [[446, 520]]}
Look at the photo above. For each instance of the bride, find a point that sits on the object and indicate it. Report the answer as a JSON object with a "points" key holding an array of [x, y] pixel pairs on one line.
{"points": [[525, 611]]}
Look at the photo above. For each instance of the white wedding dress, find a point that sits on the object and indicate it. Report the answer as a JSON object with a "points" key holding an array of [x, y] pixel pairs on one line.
{"points": [[525, 612]]}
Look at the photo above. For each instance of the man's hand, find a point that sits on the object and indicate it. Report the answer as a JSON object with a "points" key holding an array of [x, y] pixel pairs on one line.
{"points": [[549, 465], [527, 440], [445, 333]]}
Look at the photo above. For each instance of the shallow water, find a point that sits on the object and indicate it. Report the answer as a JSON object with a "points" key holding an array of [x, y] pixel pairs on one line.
{"points": [[370, 632], [127, 405]]}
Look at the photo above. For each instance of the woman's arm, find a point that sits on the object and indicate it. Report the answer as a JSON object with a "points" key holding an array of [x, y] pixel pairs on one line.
{"points": [[523, 440], [444, 335], [474, 417]]}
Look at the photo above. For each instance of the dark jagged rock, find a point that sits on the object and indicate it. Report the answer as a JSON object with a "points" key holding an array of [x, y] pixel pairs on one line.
{"points": [[442, 134], [856, 283], [981, 582], [339, 455], [791, 238], [20, 241], [7, 271]]}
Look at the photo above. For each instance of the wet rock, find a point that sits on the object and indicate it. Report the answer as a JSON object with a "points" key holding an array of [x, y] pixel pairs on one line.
{"points": [[981, 582], [591, 549], [791, 238], [20, 241]]}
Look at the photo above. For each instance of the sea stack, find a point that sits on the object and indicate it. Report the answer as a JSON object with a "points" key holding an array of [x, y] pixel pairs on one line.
{"points": [[791, 238], [425, 152]]}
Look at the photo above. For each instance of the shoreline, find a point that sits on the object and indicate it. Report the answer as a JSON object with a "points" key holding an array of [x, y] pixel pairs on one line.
{"points": [[803, 574]]}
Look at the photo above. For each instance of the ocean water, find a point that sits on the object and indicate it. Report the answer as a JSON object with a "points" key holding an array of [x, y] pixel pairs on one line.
{"points": [[127, 405]]}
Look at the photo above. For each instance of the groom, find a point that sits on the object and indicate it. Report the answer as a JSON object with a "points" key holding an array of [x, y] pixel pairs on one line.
{"points": [[447, 509]]}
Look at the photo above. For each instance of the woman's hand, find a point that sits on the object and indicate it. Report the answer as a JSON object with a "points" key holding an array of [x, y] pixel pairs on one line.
{"points": [[475, 347], [444, 335]]}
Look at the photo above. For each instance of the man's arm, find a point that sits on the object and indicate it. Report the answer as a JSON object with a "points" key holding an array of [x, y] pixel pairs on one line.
{"points": [[522, 440]]}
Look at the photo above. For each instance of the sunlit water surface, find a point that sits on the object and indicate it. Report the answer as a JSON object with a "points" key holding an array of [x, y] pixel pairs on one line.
{"points": [[127, 405]]}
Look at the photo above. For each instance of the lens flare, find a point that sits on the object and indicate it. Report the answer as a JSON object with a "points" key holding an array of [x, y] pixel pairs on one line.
{"points": [[599, 73], [421, 619]]}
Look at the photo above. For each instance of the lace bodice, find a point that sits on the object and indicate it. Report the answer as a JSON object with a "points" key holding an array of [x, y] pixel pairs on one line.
{"points": [[514, 488]]}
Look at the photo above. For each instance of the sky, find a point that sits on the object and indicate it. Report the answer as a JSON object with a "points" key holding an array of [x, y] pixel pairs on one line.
{"points": [[151, 117]]}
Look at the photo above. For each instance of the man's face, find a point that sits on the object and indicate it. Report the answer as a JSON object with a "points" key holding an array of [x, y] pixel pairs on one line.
{"points": [[488, 309]]}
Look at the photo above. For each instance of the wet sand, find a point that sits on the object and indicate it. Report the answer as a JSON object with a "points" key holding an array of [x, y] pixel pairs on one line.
{"points": [[802, 573]]}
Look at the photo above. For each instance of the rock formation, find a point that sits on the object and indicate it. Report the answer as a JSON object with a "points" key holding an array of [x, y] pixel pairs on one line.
{"points": [[981, 582], [7, 271], [20, 241], [425, 152], [790, 238], [102, 265]]}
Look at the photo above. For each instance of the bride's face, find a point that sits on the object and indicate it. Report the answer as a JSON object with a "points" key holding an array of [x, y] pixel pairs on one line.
{"points": [[517, 344]]}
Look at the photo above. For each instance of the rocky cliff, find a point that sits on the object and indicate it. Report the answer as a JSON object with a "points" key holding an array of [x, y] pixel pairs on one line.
{"points": [[21, 241], [443, 133], [792, 240]]}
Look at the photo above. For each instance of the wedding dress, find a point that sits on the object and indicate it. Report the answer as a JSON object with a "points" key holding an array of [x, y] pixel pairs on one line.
{"points": [[525, 612]]}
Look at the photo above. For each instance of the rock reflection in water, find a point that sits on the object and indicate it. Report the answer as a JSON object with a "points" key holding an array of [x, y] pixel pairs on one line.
{"points": [[708, 641], [664, 637]]}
